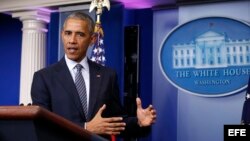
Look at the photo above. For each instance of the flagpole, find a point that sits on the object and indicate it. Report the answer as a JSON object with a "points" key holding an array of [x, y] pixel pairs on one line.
{"points": [[98, 52]]}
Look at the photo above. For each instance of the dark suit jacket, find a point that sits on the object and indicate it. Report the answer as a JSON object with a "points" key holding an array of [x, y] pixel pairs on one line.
{"points": [[53, 88], [245, 119]]}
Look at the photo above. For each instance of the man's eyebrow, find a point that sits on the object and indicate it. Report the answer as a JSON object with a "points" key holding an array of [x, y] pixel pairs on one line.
{"points": [[67, 31], [79, 32]]}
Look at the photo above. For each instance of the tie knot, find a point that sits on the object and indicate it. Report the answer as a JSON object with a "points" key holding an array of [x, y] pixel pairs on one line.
{"points": [[79, 67]]}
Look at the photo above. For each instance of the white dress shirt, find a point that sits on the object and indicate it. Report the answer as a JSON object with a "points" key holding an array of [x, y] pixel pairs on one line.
{"points": [[85, 72]]}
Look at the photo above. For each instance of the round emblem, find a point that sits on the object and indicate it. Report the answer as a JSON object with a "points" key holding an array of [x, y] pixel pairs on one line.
{"points": [[208, 56]]}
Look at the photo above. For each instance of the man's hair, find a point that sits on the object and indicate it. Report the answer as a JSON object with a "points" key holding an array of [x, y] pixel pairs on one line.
{"points": [[84, 17]]}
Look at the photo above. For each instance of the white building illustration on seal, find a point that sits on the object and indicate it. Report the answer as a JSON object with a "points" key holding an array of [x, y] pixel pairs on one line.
{"points": [[211, 50]]}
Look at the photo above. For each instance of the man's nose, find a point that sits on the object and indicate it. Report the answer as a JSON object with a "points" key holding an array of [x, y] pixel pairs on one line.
{"points": [[72, 39]]}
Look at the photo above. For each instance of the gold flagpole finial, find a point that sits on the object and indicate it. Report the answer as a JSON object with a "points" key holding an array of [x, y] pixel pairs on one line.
{"points": [[99, 4]]}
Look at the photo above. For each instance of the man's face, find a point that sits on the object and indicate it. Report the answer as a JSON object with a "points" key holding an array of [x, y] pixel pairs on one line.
{"points": [[76, 39]]}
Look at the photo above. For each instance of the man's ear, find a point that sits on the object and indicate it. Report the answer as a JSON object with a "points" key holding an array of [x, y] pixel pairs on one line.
{"points": [[93, 39]]}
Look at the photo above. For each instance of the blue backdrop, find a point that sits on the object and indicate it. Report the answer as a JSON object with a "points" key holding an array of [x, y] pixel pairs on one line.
{"points": [[10, 59], [180, 116]]}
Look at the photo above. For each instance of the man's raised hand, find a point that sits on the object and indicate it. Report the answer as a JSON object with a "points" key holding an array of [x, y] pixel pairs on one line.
{"points": [[110, 126], [146, 117]]}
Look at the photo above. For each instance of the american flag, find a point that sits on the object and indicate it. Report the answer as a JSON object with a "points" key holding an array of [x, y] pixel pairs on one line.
{"points": [[98, 52]]}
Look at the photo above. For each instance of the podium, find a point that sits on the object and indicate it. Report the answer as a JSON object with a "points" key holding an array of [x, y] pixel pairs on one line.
{"points": [[34, 123]]}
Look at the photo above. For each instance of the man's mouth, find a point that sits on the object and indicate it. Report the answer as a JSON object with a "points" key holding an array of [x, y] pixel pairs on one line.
{"points": [[72, 49]]}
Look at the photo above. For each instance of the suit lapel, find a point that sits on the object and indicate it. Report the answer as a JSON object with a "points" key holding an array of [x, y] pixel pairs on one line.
{"points": [[95, 82], [67, 82]]}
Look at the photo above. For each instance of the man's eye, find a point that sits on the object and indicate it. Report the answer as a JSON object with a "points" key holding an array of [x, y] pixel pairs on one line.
{"points": [[67, 33], [80, 34]]}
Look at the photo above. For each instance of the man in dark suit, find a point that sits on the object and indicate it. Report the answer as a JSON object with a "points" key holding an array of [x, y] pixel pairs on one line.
{"points": [[54, 87], [245, 119]]}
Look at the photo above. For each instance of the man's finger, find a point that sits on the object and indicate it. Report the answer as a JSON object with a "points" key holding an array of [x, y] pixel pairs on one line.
{"points": [[113, 119], [117, 124], [138, 103], [150, 108], [101, 109], [114, 130], [117, 129], [114, 124], [113, 133], [153, 112]]}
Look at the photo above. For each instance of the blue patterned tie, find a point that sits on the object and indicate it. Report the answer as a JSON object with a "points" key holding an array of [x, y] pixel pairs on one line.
{"points": [[81, 88]]}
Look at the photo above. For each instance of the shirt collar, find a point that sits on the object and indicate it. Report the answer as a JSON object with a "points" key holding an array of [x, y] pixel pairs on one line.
{"points": [[71, 64]]}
